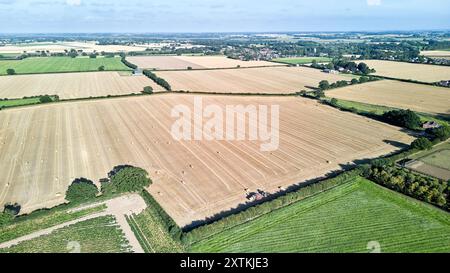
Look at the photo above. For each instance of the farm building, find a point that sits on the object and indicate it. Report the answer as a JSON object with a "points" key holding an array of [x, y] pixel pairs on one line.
{"points": [[431, 125]]}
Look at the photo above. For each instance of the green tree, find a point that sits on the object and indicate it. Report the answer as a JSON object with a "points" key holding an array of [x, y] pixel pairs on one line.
{"points": [[319, 94], [324, 85], [127, 179], [10, 71], [403, 118], [363, 68], [354, 81], [45, 99], [81, 190], [101, 68], [442, 133], [422, 144], [363, 79], [334, 102], [148, 90]]}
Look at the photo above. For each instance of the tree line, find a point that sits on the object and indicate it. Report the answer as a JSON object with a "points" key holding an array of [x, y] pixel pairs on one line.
{"points": [[160, 81], [424, 188]]}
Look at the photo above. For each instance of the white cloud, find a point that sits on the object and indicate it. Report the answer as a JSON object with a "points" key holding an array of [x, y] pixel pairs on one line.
{"points": [[73, 2], [374, 2]]}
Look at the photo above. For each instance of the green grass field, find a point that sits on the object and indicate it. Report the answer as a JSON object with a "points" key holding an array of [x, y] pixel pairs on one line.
{"points": [[99, 235], [42, 220], [349, 218], [303, 60], [20, 102], [439, 159], [439, 156], [40, 65], [152, 235]]}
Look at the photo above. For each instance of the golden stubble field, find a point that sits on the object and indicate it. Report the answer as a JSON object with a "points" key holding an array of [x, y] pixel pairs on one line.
{"points": [[435, 53], [278, 80], [74, 85], [195, 62], [44, 148], [67, 46], [409, 71], [417, 97]]}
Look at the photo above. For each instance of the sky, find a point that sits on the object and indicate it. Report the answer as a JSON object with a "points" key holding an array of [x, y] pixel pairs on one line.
{"points": [[149, 16]]}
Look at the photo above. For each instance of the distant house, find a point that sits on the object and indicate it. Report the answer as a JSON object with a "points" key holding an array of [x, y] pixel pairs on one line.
{"points": [[138, 72], [444, 83], [331, 71], [431, 125]]}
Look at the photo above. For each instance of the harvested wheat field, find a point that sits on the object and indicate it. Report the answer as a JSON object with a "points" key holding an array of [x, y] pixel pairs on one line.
{"points": [[417, 97], [74, 85], [191, 179], [194, 62], [436, 53], [409, 71], [60, 47], [278, 80]]}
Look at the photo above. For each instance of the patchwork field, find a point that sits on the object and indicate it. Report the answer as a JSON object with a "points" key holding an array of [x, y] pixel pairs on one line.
{"points": [[417, 97], [195, 62], [38, 160], [279, 80], [408, 71], [357, 217], [74, 85], [61, 64]]}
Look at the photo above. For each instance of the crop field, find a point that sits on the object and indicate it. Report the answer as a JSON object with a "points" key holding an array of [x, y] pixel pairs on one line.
{"points": [[87, 139], [195, 62], [436, 53], [98, 235], [152, 235], [408, 71], [278, 80], [62, 46], [303, 60], [435, 162], [39, 65], [42, 220], [74, 85], [356, 217], [417, 97]]}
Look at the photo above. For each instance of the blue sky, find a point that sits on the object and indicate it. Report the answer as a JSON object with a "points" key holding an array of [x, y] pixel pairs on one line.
{"points": [[221, 15]]}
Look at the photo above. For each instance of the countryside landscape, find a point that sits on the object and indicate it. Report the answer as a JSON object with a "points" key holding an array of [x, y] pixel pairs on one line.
{"points": [[203, 140]]}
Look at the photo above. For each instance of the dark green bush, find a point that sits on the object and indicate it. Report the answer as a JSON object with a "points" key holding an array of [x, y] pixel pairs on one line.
{"points": [[81, 190]]}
